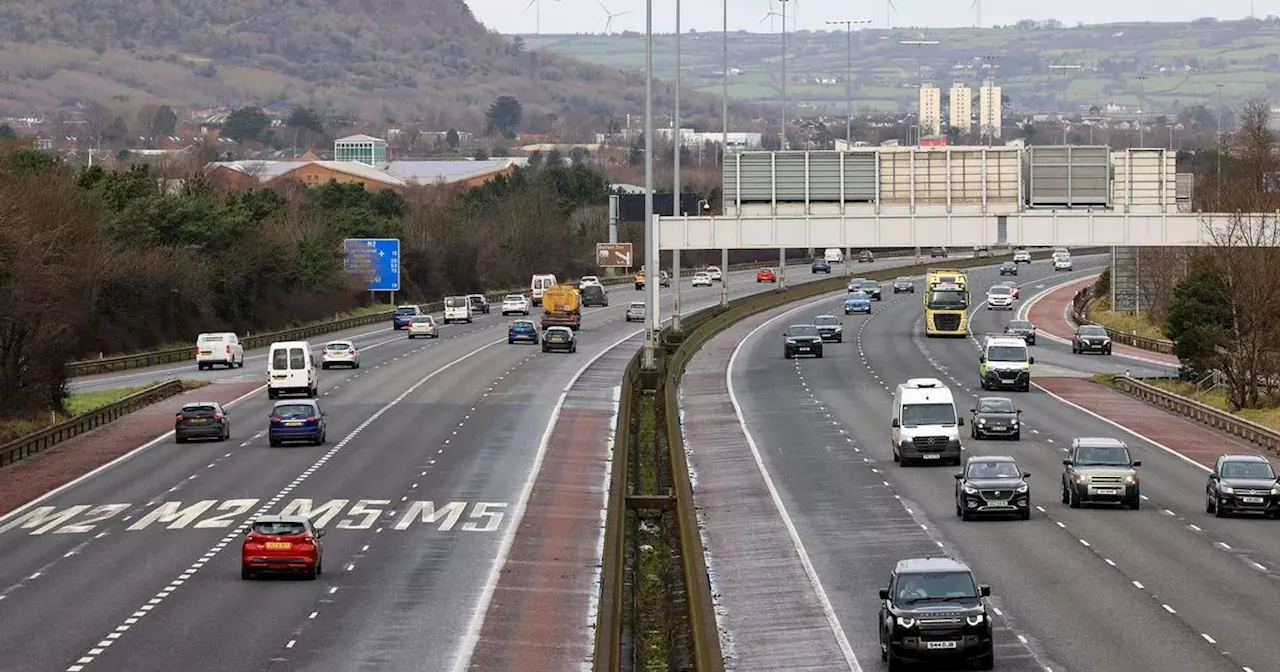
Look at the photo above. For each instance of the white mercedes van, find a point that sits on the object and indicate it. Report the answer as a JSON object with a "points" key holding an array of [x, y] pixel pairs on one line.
{"points": [[291, 369], [457, 309], [834, 255], [925, 426]]}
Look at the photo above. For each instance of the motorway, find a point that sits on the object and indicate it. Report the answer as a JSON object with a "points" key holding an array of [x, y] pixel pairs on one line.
{"points": [[432, 442], [1166, 587]]}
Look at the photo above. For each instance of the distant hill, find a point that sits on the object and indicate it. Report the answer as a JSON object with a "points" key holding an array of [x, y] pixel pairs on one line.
{"points": [[1183, 63], [389, 60]]}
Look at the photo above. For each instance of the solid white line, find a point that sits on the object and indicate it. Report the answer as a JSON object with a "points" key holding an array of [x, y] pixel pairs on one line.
{"points": [[832, 619]]}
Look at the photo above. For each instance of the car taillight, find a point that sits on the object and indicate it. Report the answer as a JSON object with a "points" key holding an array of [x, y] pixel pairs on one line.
{"points": [[178, 418], [217, 416], [351, 351], [274, 420], [312, 418], [228, 349]]}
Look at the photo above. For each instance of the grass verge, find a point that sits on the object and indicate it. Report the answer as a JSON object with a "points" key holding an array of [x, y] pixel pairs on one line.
{"points": [[78, 403], [653, 559], [1099, 310], [1267, 416]]}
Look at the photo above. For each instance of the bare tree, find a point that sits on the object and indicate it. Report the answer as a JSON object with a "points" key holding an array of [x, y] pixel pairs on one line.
{"points": [[97, 119]]}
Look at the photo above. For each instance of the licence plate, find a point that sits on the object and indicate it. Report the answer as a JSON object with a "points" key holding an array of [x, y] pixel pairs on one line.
{"points": [[278, 545], [1107, 491], [1251, 500], [293, 423], [278, 377], [206, 352], [931, 456], [197, 421], [940, 645], [998, 428]]}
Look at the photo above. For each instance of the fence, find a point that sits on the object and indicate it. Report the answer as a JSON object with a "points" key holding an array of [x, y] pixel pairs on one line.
{"points": [[54, 434], [1221, 420], [1079, 310]]}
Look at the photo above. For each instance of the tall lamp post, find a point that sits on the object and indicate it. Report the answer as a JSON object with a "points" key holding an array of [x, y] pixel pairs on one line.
{"points": [[848, 72], [1142, 110], [677, 142], [724, 153], [649, 362], [1064, 69], [919, 75], [988, 131], [783, 141], [1218, 170]]}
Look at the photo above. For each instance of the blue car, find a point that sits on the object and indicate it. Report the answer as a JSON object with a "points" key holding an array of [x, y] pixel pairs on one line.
{"points": [[404, 315], [296, 420], [522, 330], [857, 302], [821, 266]]}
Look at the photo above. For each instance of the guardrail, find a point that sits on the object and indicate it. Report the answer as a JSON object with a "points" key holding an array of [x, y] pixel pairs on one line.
{"points": [[1079, 313], [1218, 419], [612, 641], [67, 429], [170, 355]]}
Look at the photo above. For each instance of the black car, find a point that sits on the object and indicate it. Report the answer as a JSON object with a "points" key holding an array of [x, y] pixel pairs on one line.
{"points": [[594, 295], [995, 416], [821, 266], [1021, 329], [202, 420], [1091, 338], [559, 338], [1008, 268], [938, 252], [904, 284], [934, 612], [872, 288], [829, 328], [479, 303], [992, 485], [802, 339], [1242, 484]]}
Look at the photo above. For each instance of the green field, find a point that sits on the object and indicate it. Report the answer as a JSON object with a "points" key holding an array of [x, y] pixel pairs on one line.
{"points": [[78, 403], [1183, 64]]}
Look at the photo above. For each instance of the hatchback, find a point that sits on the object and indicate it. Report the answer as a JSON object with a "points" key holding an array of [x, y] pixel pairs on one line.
{"points": [[296, 420], [423, 325], [282, 544], [636, 311], [515, 303], [342, 353], [479, 303], [766, 275], [522, 330], [559, 338], [201, 420]]}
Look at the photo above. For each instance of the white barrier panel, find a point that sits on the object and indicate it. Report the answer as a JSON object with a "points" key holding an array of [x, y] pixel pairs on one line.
{"points": [[906, 229]]}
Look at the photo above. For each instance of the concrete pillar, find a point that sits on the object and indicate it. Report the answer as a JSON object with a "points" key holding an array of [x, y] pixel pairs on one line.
{"points": [[675, 294], [782, 268], [724, 273]]}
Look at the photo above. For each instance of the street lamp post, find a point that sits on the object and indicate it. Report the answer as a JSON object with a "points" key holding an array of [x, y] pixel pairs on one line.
{"points": [[1142, 110], [724, 155], [848, 72], [783, 141], [678, 143], [1218, 169], [650, 229], [920, 78]]}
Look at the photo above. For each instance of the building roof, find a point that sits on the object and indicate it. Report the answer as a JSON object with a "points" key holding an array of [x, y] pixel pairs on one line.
{"points": [[444, 172], [359, 170], [263, 170], [360, 137]]}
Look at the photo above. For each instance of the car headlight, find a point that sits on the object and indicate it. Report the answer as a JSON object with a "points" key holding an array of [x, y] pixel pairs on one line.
{"points": [[976, 619], [1275, 489], [791, 341], [906, 622], [1131, 479], [1228, 490], [1014, 422], [982, 421], [1023, 488], [969, 489], [1081, 478]]}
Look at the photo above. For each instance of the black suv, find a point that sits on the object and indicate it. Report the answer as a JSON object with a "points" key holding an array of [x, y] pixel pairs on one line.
{"points": [[1090, 338], [202, 420], [934, 611], [1242, 484], [1021, 329], [1008, 268], [992, 485], [802, 339]]}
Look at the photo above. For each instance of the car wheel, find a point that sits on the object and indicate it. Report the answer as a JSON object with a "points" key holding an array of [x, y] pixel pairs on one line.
{"points": [[274, 443], [245, 574], [959, 511], [1107, 351], [311, 574], [510, 341], [435, 335], [964, 515], [1074, 501], [226, 434], [1135, 503], [544, 349], [987, 661], [1208, 503], [818, 354], [1066, 498], [325, 365], [1017, 436], [1074, 350], [319, 566], [1025, 515], [896, 664], [786, 355], [241, 364], [200, 366]]}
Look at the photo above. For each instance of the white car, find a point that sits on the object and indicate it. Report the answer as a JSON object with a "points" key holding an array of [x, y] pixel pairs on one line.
{"points": [[1062, 264], [588, 280], [423, 325], [702, 279], [1000, 296], [221, 348], [515, 303], [340, 353], [1021, 257], [714, 272]]}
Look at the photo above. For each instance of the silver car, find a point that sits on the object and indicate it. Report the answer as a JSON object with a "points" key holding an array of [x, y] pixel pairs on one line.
{"points": [[423, 325], [636, 311], [340, 353]]}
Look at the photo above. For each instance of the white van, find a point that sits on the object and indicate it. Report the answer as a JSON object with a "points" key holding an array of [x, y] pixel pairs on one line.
{"points": [[457, 308], [220, 348], [291, 369], [834, 255], [926, 427], [540, 284]]}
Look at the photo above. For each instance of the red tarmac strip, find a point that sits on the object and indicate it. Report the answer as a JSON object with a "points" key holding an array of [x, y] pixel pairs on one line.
{"points": [[1049, 314]]}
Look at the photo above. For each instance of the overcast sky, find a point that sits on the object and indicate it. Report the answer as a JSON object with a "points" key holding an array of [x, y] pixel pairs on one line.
{"points": [[587, 16]]}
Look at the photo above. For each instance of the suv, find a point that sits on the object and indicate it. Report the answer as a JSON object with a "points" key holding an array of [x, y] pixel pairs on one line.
{"points": [[403, 315], [934, 611], [829, 328], [992, 485], [1090, 337], [1242, 484], [1100, 470], [479, 303], [1021, 256], [802, 338]]}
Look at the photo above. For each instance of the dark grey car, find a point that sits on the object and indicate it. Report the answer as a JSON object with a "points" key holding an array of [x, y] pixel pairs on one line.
{"points": [[992, 485], [1242, 484], [1022, 329], [904, 284], [202, 420], [802, 339], [1091, 338], [872, 288], [995, 416], [829, 328]]}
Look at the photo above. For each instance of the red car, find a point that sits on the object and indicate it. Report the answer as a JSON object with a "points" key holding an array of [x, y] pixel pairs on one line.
{"points": [[766, 275], [1013, 286], [282, 544]]}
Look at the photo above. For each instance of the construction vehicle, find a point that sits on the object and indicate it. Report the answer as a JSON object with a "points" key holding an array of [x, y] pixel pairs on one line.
{"points": [[562, 306]]}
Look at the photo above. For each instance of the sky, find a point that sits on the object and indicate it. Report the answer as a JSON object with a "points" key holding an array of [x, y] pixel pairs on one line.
{"points": [[587, 16]]}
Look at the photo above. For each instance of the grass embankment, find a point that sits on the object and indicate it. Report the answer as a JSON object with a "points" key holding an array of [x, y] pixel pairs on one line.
{"points": [[1267, 416], [1099, 310], [652, 557], [78, 403]]}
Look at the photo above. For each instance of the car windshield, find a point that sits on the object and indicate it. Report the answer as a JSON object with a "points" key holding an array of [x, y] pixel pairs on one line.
{"points": [[637, 305], [1008, 264], [279, 528], [902, 281], [981, 470], [198, 411], [857, 296], [995, 405], [825, 321], [766, 270], [294, 411], [559, 331], [338, 345], [406, 311], [936, 586], [514, 298], [1102, 456], [803, 330], [1259, 471], [1019, 324], [1006, 353], [455, 302], [1092, 331], [870, 284], [1000, 290], [914, 415], [522, 324], [948, 299], [476, 298]]}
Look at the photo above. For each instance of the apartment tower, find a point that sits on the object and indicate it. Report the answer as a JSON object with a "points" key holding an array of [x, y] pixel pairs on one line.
{"points": [[930, 110], [961, 107], [989, 110]]}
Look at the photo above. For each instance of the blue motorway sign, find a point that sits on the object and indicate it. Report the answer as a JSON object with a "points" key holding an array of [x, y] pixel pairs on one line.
{"points": [[376, 259]]}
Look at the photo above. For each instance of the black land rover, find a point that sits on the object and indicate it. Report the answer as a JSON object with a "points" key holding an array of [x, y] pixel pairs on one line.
{"points": [[934, 611]]}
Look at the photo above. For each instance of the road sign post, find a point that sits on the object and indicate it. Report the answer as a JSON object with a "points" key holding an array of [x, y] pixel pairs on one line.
{"points": [[613, 255], [377, 260]]}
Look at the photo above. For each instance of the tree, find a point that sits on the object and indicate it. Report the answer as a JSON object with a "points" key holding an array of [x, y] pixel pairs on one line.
{"points": [[7, 132], [635, 155], [504, 116], [451, 138], [164, 122], [1029, 132], [306, 119], [96, 118], [245, 123]]}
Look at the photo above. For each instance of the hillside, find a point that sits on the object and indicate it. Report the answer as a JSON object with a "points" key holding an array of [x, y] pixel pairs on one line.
{"points": [[427, 61], [1183, 63]]}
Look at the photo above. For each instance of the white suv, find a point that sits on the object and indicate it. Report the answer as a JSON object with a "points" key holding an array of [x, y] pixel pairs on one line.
{"points": [[588, 280], [515, 303], [1021, 257], [1000, 296], [220, 348]]}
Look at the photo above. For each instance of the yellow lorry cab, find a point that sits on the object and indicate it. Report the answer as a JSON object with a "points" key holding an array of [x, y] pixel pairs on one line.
{"points": [[946, 303]]}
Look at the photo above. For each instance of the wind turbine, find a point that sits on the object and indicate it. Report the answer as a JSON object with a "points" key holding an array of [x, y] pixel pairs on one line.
{"points": [[536, 5], [769, 17], [609, 22], [890, 10], [977, 8]]}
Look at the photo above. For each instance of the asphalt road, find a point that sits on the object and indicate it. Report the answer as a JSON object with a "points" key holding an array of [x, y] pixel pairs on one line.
{"points": [[430, 443], [1166, 587]]}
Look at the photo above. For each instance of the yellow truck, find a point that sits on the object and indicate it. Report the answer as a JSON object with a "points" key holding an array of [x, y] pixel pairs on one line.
{"points": [[946, 303], [562, 306]]}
